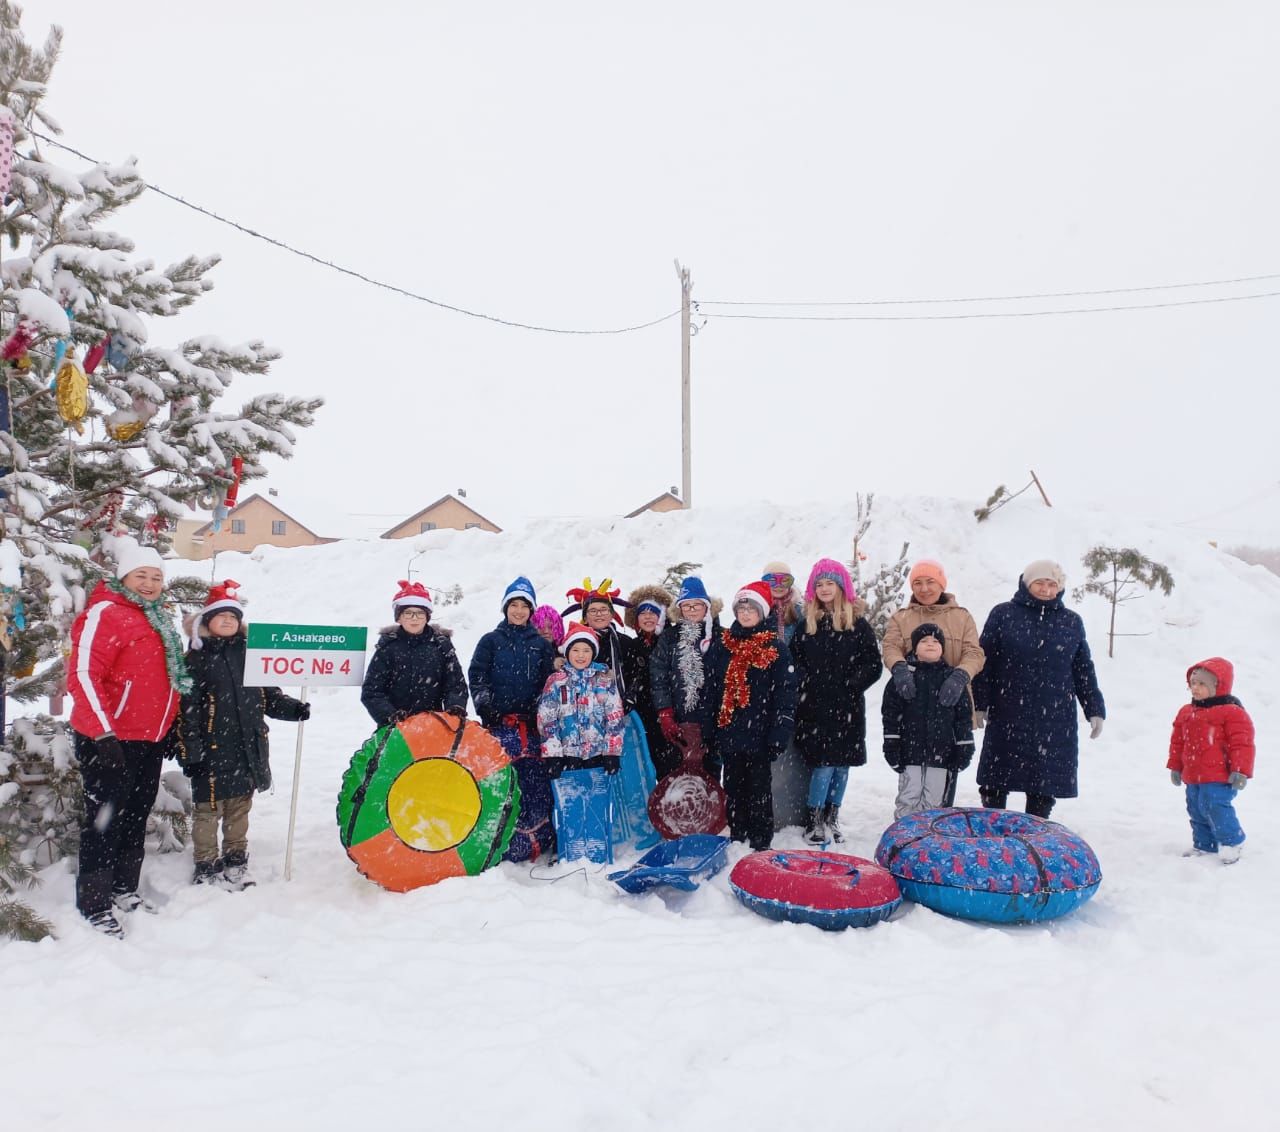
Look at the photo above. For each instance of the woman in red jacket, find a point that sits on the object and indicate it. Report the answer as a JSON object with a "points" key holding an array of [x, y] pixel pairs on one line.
{"points": [[1211, 754], [126, 676]]}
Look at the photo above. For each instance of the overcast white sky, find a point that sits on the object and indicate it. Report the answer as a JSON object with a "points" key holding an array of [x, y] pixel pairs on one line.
{"points": [[546, 162]]}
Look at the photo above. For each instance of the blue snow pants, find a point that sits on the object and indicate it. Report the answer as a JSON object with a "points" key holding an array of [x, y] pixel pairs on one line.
{"points": [[1213, 817]]}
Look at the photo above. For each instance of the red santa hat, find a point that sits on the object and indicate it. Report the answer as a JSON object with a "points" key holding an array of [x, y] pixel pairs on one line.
{"points": [[411, 595], [757, 594], [223, 598], [579, 633]]}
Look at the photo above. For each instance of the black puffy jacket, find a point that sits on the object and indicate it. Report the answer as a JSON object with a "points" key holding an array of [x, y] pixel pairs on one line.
{"points": [[413, 672], [222, 724], [920, 731]]}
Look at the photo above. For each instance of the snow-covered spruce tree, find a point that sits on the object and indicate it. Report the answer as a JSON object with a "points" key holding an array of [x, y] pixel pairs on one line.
{"points": [[103, 429]]}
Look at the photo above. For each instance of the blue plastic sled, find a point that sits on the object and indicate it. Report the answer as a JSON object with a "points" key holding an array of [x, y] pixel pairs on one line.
{"points": [[583, 814], [631, 788], [676, 863]]}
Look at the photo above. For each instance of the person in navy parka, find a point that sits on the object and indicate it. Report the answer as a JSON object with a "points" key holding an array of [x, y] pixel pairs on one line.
{"points": [[1038, 667], [414, 666], [508, 672]]}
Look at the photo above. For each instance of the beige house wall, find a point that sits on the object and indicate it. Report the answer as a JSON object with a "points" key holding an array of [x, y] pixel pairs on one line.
{"points": [[448, 515], [257, 515]]}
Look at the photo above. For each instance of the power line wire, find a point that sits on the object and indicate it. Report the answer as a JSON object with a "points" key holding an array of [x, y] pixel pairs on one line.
{"points": [[986, 298], [360, 275], [984, 314]]}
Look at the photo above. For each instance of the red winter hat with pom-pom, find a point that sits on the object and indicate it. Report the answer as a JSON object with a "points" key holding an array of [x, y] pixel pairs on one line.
{"points": [[411, 595], [223, 598]]}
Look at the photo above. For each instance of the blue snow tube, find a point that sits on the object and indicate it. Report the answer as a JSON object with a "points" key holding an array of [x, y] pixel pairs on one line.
{"points": [[993, 865]]}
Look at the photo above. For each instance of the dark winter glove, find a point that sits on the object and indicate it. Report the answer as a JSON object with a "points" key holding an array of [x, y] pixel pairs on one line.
{"points": [[953, 687], [555, 767], [1175, 776], [612, 764], [193, 769], [460, 714], [775, 753], [670, 728], [108, 752], [893, 754], [304, 713], [904, 680], [1238, 781]]}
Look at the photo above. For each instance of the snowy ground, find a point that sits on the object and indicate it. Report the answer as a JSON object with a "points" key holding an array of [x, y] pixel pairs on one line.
{"points": [[508, 999]]}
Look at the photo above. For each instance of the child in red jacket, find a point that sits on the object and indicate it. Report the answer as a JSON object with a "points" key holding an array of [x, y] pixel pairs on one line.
{"points": [[1211, 753]]}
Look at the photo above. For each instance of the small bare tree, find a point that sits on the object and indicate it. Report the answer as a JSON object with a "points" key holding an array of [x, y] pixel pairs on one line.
{"points": [[883, 590], [1003, 495], [1113, 572]]}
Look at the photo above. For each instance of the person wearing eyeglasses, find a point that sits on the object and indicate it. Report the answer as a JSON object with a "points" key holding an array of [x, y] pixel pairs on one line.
{"points": [[787, 609], [414, 666]]}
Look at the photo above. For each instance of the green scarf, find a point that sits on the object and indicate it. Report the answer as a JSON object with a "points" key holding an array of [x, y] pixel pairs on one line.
{"points": [[160, 618]]}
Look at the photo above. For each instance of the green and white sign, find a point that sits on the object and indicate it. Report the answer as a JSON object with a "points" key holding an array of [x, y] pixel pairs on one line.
{"points": [[315, 655]]}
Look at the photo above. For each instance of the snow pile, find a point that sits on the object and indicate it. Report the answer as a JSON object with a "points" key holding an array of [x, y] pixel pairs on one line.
{"points": [[504, 998]]}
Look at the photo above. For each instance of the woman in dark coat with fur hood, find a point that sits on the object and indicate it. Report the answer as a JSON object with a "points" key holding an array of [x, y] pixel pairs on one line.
{"points": [[837, 660], [222, 740], [414, 666], [646, 616]]}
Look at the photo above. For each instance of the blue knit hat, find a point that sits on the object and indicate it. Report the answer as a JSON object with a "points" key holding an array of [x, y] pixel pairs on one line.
{"points": [[521, 588], [692, 589]]}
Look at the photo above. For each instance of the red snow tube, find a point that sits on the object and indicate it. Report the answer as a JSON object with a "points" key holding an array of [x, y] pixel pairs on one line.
{"points": [[809, 886]]}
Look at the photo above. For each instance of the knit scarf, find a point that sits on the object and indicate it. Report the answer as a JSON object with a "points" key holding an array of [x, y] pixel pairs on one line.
{"points": [[160, 617], [756, 651]]}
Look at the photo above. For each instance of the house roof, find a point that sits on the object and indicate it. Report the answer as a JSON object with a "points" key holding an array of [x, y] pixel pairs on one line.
{"points": [[432, 507], [655, 499], [240, 506]]}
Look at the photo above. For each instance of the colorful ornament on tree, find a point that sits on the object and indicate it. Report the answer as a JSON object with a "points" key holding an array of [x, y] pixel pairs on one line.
{"points": [[71, 389], [95, 355], [107, 514], [233, 492], [120, 348], [17, 346]]}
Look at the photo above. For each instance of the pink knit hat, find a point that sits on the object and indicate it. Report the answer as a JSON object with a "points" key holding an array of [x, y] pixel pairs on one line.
{"points": [[836, 572]]}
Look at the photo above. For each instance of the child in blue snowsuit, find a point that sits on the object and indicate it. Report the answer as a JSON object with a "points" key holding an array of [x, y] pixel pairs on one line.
{"points": [[580, 719]]}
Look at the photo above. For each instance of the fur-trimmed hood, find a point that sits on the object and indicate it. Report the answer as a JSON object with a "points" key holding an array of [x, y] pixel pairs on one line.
{"points": [[674, 614], [645, 593], [197, 633]]}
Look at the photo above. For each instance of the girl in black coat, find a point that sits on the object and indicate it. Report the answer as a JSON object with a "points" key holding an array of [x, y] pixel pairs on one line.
{"points": [[836, 660], [222, 739], [927, 743], [751, 701], [414, 666]]}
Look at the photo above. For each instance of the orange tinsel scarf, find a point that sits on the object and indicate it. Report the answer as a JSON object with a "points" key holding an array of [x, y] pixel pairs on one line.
{"points": [[756, 651]]}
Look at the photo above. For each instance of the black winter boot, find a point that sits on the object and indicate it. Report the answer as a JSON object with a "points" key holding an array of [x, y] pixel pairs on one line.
{"points": [[831, 815], [235, 872], [206, 872], [814, 833]]}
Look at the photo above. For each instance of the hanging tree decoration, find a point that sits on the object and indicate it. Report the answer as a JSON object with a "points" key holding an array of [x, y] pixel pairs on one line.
{"points": [[71, 389], [6, 153], [125, 424], [120, 347], [16, 351], [95, 355]]}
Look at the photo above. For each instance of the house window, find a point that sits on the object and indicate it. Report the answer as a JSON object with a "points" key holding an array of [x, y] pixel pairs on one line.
{"points": [[277, 526], [471, 526], [425, 527], [237, 526]]}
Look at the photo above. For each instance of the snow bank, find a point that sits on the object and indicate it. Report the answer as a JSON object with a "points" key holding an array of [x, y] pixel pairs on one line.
{"points": [[507, 999]]}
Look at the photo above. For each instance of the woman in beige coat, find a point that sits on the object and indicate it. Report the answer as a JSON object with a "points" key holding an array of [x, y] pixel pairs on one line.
{"points": [[931, 602]]}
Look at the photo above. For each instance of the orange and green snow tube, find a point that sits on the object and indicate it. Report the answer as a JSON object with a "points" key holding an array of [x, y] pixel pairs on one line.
{"points": [[427, 798]]}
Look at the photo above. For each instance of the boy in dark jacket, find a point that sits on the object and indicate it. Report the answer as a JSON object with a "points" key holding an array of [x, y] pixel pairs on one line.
{"points": [[926, 743], [414, 666], [508, 671], [222, 740], [1211, 754], [751, 699]]}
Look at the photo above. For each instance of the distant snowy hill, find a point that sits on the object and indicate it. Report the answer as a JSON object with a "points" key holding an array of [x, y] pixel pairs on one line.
{"points": [[504, 1000]]}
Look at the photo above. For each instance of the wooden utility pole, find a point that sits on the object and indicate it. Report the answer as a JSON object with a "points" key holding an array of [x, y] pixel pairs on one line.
{"points": [[686, 444]]}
